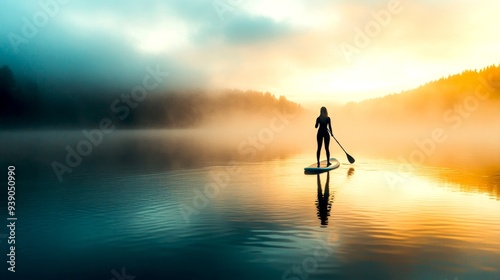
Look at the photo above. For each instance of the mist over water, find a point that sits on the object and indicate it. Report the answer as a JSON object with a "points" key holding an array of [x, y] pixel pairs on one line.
{"points": [[125, 206], [227, 188], [168, 139], [470, 153]]}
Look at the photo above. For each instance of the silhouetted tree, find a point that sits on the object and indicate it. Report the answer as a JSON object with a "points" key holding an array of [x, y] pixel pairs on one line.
{"points": [[7, 82], [7, 87]]}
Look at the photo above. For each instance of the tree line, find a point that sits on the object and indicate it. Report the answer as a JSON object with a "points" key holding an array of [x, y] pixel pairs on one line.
{"points": [[430, 100], [22, 105]]}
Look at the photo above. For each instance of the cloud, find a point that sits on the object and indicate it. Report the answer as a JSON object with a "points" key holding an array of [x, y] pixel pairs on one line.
{"points": [[288, 47], [253, 30]]}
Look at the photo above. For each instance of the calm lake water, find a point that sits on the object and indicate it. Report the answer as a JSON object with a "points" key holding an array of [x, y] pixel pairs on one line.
{"points": [[228, 218]]}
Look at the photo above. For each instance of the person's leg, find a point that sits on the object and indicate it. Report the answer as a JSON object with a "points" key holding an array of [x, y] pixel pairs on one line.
{"points": [[327, 148], [319, 139]]}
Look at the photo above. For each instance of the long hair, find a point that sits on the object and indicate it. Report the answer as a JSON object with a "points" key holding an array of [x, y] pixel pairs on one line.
{"points": [[323, 113]]}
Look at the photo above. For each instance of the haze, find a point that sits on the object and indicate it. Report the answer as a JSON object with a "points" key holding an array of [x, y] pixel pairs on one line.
{"points": [[290, 48], [309, 54]]}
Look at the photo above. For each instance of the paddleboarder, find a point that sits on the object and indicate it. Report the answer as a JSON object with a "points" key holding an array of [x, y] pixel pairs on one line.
{"points": [[323, 121]]}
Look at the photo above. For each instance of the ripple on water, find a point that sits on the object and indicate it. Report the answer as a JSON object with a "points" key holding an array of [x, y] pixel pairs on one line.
{"points": [[269, 215]]}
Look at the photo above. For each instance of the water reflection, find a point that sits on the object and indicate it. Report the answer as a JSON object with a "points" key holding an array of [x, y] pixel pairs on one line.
{"points": [[350, 172], [324, 202]]}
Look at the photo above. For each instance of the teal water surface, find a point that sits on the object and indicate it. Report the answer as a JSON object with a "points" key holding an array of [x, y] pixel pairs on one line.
{"points": [[261, 219]]}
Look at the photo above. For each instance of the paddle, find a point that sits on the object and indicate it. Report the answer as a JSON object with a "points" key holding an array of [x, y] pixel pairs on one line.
{"points": [[349, 158]]}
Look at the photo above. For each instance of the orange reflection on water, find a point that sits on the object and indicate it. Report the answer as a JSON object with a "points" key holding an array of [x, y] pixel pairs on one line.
{"points": [[425, 210]]}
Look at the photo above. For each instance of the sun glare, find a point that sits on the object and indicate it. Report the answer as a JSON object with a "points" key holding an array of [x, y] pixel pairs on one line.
{"points": [[161, 39]]}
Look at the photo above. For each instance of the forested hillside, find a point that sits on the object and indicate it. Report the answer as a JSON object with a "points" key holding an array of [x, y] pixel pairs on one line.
{"points": [[22, 105], [453, 119]]}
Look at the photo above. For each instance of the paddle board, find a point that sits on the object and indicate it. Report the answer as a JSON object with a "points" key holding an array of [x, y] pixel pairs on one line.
{"points": [[313, 168]]}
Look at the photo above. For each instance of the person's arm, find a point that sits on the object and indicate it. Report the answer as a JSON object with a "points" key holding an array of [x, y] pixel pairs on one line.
{"points": [[317, 123], [330, 125]]}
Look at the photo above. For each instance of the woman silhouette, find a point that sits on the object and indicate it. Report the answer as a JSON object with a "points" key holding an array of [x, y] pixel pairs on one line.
{"points": [[323, 121]]}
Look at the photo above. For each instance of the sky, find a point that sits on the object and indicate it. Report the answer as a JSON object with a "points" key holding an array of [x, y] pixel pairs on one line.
{"points": [[336, 51]]}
